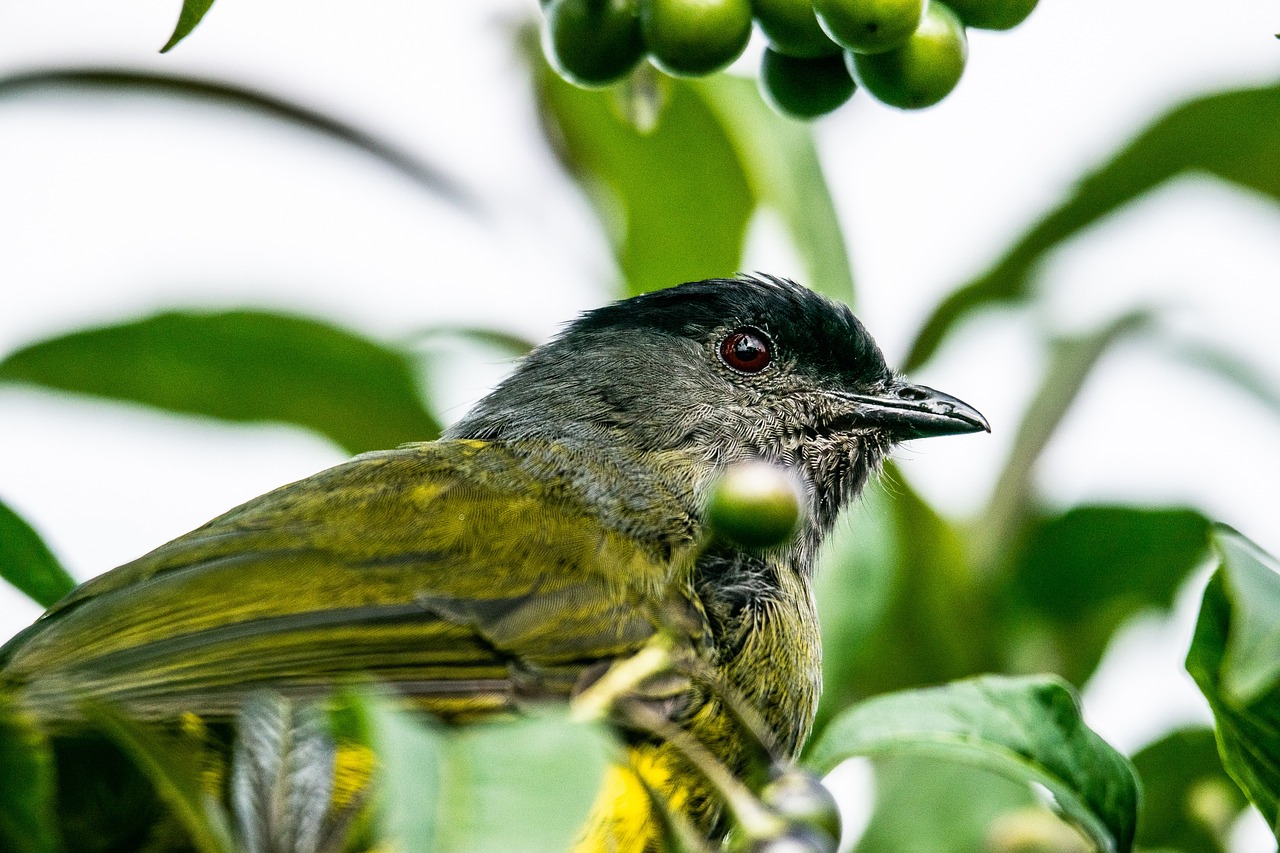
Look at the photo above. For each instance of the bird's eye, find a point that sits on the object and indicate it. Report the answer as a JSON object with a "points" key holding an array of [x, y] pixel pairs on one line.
{"points": [[747, 350]]}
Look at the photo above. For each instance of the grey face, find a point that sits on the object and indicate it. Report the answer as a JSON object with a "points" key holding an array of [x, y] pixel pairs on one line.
{"points": [[720, 371]]}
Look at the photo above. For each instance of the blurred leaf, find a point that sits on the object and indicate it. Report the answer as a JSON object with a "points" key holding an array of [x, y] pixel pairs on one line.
{"points": [[191, 14], [1234, 136], [411, 757], [1251, 662], [675, 200], [1235, 661], [927, 805], [27, 563], [1071, 362], [506, 341], [854, 588], [240, 366], [925, 620], [175, 771], [116, 82], [677, 197], [27, 790], [1189, 803], [780, 161], [1084, 573], [1233, 370], [1029, 729], [485, 787]]}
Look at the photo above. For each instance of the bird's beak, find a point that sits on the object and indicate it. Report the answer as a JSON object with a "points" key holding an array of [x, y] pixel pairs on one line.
{"points": [[915, 411]]}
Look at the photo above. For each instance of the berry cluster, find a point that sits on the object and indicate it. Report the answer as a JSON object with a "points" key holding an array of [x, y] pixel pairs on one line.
{"points": [[906, 53]]}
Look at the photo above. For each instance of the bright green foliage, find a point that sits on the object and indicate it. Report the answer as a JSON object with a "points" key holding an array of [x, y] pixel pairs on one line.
{"points": [[922, 70], [240, 366], [1027, 728], [27, 563]]}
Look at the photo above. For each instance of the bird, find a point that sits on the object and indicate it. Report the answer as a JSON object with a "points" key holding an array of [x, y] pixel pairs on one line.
{"points": [[552, 532]]}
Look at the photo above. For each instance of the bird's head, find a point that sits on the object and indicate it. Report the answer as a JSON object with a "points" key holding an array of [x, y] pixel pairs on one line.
{"points": [[721, 371]]}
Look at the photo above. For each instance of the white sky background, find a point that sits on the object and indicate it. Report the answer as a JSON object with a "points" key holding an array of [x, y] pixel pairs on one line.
{"points": [[112, 210]]}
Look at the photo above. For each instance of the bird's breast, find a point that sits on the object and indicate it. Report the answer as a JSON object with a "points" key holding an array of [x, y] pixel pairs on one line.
{"points": [[767, 644]]}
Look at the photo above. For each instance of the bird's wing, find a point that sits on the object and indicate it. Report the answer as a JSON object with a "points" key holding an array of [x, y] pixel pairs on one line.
{"points": [[439, 569]]}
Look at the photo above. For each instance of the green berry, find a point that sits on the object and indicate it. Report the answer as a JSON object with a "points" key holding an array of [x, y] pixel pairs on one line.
{"points": [[869, 26], [992, 14], [692, 38], [805, 88], [800, 797], [794, 840], [792, 28], [921, 72], [594, 42], [755, 504]]}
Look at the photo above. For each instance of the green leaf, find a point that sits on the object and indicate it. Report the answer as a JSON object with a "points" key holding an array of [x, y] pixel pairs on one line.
{"points": [[780, 161], [240, 366], [27, 815], [1071, 362], [113, 81], [1233, 661], [175, 771], [1251, 662], [926, 619], [860, 554], [675, 201], [1233, 135], [1231, 369], [192, 13], [1080, 575], [27, 563], [1029, 729], [485, 787], [676, 198], [1189, 803], [917, 809], [508, 342]]}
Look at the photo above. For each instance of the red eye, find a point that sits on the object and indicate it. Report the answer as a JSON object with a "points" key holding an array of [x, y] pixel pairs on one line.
{"points": [[746, 350]]}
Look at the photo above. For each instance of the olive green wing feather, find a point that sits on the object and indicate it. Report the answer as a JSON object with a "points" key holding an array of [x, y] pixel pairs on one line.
{"points": [[443, 570]]}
